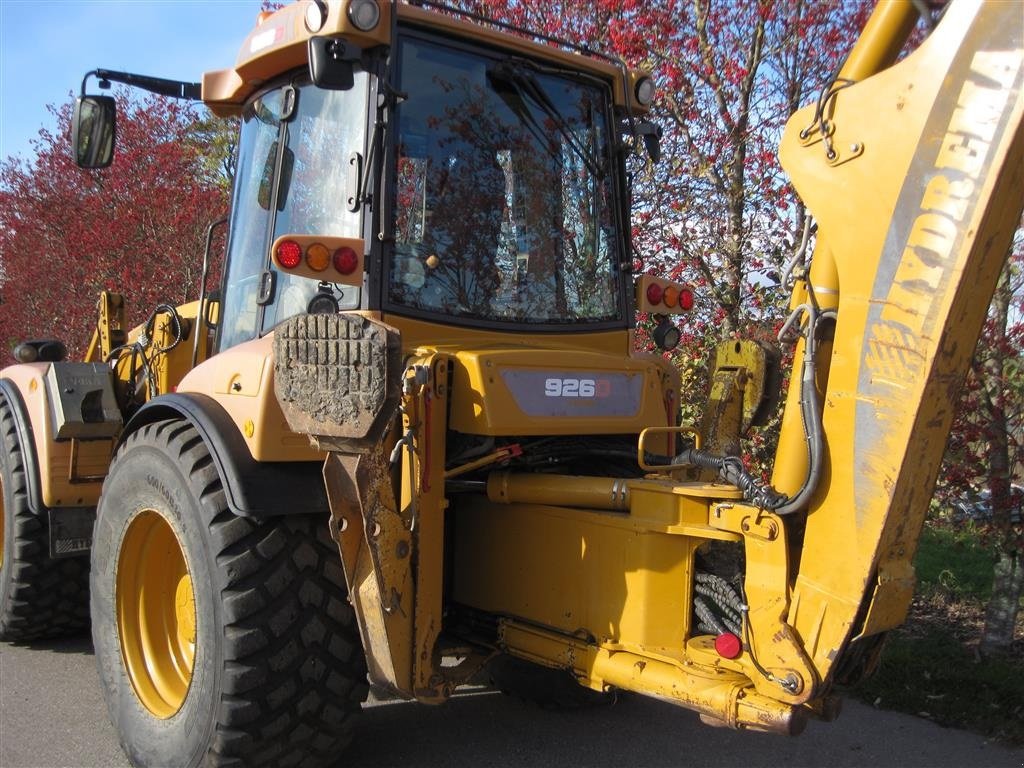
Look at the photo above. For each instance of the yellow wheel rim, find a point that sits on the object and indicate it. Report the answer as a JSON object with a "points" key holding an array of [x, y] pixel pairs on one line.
{"points": [[156, 614]]}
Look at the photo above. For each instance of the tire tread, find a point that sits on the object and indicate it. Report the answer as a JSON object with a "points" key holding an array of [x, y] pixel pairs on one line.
{"points": [[281, 607], [40, 596]]}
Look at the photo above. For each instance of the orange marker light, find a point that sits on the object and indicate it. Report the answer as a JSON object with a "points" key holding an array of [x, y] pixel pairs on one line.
{"points": [[318, 257], [289, 254], [671, 296]]}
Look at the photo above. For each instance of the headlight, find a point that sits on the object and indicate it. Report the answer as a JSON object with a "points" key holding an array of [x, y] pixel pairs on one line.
{"points": [[316, 15], [364, 14], [645, 91]]}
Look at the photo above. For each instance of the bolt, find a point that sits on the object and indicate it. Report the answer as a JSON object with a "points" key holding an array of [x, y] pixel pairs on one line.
{"points": [[375, 530], [343, 524], [792, 682], [855, 148], [402, 550]]}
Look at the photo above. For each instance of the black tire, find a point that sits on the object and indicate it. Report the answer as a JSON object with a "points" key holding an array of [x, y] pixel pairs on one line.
{"points": [[40, 596], [279, 673], [543, 687]]}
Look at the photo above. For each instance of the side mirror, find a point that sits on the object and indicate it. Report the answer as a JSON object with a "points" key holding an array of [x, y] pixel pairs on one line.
{"points": [[93, 130], [332, 63]]}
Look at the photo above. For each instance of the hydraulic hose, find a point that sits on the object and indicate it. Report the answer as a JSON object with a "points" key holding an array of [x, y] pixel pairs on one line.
{"points": [[730, 468]]}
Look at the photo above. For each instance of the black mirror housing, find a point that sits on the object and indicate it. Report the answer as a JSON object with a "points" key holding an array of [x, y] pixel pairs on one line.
{"points": [[93, 131], [332, 62]]}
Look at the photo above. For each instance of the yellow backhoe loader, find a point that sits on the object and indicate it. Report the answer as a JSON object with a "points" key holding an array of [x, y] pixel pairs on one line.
{"points": [[409, 441]]}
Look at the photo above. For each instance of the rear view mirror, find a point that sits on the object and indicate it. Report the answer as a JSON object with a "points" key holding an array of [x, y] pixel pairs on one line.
{"points": [[93, 131]]}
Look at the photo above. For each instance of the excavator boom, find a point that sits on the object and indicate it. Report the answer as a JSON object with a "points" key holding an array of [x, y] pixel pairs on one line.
{"points": [[916, 208]]}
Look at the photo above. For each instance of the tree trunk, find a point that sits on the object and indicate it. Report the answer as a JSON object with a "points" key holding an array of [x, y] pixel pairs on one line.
{"points": [[1003, 606]]}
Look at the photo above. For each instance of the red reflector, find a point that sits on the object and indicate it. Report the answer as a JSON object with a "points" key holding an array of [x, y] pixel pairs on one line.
{"points": [[289, 254], [654, 293], [728, 645], [686, 299], [346, 260]]}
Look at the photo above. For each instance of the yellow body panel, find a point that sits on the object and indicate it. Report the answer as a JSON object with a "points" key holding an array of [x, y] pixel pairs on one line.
{"points": [[241, 379], [595, 572], [91, 457], [484, 401]]}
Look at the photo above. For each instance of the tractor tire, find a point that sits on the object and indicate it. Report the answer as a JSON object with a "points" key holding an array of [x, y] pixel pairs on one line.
{"points": [[40, 596], [220, 640], [551, 689]]}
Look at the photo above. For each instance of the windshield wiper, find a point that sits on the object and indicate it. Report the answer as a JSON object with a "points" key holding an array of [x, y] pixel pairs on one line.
{"points": [[524, 85]]}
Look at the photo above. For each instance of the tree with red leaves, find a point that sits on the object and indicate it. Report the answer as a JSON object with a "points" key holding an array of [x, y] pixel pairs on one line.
{"points": [[137, 227]]}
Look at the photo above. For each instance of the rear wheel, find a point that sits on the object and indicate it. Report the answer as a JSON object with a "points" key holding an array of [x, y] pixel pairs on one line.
{"points": [[40, 596], [220, 640]]}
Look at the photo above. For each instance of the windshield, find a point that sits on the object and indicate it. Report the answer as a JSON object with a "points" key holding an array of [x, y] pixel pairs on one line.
{"points": [[503, 207], [292, 171]]}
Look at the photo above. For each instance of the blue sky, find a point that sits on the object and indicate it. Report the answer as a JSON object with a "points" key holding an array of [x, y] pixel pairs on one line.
{"points": [[46, 46]]}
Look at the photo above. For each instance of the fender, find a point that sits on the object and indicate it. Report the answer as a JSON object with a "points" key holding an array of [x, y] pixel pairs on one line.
{"points": [[10, 393], [253, 488]]}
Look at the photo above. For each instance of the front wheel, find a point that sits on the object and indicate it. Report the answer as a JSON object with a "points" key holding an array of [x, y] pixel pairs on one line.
{"points": [[220, 640]]}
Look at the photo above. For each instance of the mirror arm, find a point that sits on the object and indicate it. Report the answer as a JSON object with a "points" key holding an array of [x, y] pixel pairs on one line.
{"points": [[174, 88]]}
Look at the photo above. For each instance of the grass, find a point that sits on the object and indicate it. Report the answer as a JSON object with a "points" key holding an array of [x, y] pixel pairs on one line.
{"points": [[930, 666], [954, 561]]}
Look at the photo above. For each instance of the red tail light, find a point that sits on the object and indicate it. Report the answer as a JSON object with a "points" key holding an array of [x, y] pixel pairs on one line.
{"points": [[289, 254], [686, 299], [346, 260]]}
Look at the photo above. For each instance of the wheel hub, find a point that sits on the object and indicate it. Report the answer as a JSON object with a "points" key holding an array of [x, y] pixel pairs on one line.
{"points": [[156, 614]]}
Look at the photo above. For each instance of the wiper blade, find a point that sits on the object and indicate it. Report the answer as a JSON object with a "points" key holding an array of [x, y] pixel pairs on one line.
{"points": [[525, 85]]}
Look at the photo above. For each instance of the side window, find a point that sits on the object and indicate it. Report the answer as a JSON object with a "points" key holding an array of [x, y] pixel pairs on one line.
{"points": [[248, 243], [326, 129]]}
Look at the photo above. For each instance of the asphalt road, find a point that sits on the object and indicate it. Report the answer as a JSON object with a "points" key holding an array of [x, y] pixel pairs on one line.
{"points": [[51, 714]]}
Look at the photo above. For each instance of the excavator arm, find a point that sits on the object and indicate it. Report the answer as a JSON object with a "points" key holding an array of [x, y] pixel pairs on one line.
{"points": [[915, 175]]}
